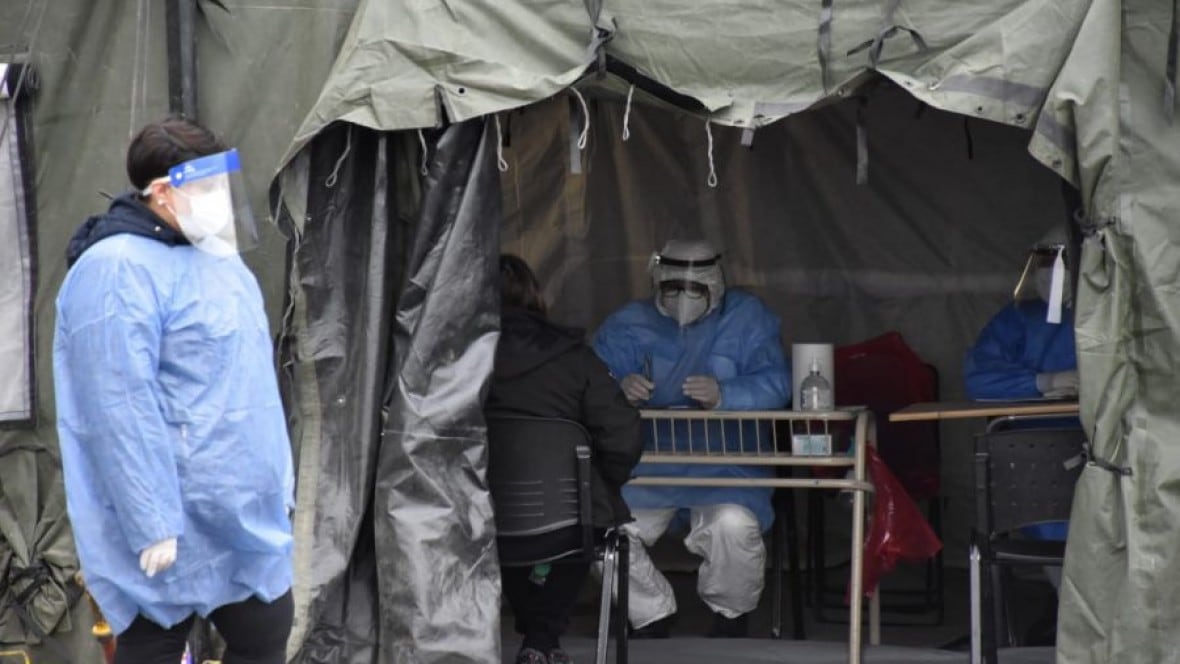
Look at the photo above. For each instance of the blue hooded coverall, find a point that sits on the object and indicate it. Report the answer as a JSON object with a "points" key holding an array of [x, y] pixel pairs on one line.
{"points": [[1016, 345], [739, 344]]}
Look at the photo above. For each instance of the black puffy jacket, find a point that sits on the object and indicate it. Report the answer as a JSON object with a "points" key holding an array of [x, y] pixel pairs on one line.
{"points": [[545, 370]]}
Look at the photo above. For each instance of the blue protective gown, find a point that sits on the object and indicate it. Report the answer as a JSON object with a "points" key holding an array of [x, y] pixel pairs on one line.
{"points": [[739, 344], [1014, 347], [170, 425]]}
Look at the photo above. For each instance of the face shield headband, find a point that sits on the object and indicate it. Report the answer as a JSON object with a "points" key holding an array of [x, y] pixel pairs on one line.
{"points": [[210, 204]]}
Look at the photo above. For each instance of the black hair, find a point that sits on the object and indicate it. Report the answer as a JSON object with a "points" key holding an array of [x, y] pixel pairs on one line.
{"points": [[161, 145], [519, 287]]}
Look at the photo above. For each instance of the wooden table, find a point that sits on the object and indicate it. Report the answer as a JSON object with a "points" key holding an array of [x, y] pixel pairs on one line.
{"points": [[958, 410], [773, 451]]}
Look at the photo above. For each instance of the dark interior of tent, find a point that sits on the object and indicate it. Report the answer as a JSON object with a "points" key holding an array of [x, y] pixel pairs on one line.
{"points": [[867, 214]]}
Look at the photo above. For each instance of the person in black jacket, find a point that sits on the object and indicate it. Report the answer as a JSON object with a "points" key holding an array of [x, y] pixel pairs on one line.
{"points": [[546, 370]]}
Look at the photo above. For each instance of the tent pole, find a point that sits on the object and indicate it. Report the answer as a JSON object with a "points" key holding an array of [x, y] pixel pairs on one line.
{"points": [[182, 57]]}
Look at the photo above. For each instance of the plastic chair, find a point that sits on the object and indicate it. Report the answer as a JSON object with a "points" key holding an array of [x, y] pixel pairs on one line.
{"points": [[539, 477], [885, 375], [1022, 477]]}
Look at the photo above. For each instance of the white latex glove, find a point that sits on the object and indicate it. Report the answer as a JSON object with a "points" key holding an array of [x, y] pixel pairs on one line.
{"points": [[705, 390], [1058, 383], [158, 557], [636, 388]]}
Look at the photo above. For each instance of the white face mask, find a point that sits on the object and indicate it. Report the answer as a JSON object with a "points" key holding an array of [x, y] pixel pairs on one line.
{"points": [[208, 214], [683, 308]]}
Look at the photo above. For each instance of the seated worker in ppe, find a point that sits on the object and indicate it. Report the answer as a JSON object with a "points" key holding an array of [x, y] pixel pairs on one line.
{"points": [[696, 344], [174, 448], [1027, 349], [545, 370]]}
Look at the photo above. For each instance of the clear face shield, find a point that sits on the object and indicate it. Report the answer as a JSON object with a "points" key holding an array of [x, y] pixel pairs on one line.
{"points": [[210, 204], [687, 290], [1046, 276]]}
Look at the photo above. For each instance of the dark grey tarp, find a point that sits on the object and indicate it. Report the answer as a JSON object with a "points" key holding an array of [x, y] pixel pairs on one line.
{"points": [[393, 325], [438, 572], [344, 269]]}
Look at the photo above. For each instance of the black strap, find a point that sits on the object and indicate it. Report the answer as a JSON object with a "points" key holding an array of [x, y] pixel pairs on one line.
{"points": [[862, 142], [1170, 70], [38, 574], [888, 29], [1104, 464], [678, 262], [824, 45]]}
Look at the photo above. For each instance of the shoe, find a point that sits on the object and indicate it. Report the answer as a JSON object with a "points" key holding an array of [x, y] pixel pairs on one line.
{"points": [[730, 628], [531, 656], [559, 656], [659, 629]]}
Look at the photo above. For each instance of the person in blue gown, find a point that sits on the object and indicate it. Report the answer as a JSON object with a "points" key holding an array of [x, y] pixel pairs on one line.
{"points": [[696, 344], [1027, 349], [176, 459]]}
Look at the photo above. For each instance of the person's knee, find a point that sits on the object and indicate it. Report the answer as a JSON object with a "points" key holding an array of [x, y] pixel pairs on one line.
{"points": [[733, 521]]}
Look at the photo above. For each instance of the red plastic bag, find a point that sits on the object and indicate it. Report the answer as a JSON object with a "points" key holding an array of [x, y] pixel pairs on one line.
{"points": [[898, 531]]}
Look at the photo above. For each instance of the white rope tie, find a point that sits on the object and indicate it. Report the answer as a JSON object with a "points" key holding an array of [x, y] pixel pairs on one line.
{"points": [[330, 181], [627, 113], [712, 181], [500, 162], [425, 154], [585, 119]]}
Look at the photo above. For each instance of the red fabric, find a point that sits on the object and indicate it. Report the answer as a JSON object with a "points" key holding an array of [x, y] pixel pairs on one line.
{"points": [[884, 374], [898, 530]]}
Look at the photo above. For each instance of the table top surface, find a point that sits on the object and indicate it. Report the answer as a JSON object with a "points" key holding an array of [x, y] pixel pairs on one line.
{"points": [[951, 410]]}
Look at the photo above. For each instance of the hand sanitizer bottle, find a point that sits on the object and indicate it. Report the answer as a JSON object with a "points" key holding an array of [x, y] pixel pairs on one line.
{"points": [[815, 391]]}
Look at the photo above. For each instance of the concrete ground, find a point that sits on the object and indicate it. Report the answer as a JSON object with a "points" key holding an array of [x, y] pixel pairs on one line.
{"points": [[907, 636]]}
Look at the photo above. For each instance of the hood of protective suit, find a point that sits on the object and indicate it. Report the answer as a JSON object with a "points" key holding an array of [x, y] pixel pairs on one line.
{"points": [[127, 214], [690, 262], [528, 340]]}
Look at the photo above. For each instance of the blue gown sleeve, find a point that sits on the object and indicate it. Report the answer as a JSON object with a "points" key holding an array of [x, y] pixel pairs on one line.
{"points": [[993, 368], [764, 379], [112, 349], [615, 346]]}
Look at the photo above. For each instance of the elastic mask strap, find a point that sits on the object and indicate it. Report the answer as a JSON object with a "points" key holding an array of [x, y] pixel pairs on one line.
{"points": [[1057, 289], [1023, 276]]}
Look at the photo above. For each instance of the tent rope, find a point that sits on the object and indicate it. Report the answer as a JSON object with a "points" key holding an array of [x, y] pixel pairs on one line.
{"points": [[1170, 69], [330, 181], [425, 154], [500, 162], [585, 119], [712, 179], [627, 114]]}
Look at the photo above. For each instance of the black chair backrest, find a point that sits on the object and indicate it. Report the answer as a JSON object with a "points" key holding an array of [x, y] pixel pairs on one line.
{"points": [[1025, 476], [538, 474]]}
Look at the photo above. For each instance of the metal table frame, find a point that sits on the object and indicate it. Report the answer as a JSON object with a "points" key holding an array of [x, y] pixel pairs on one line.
{"points": [[773, 452]]}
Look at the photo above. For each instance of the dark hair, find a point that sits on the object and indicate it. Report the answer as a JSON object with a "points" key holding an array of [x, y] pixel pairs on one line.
{"points": [[161, 145], [519, 286]]}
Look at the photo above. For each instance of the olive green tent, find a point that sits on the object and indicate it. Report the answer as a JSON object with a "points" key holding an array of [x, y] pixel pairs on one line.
{"points": [[620, 123]]}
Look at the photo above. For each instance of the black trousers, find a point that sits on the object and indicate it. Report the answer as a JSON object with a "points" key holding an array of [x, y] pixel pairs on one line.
{"points": [[542, 610], [255, 632]]}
